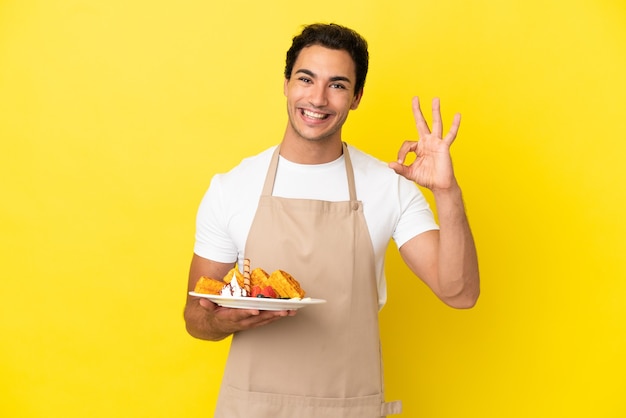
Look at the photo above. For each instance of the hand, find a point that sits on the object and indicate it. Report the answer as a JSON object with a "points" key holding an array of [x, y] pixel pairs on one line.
{"points": [[225, 321], [432, 167]]}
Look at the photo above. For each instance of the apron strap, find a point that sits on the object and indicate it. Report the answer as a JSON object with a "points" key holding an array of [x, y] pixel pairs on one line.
{"points": [[268, 187], [349, 172]]}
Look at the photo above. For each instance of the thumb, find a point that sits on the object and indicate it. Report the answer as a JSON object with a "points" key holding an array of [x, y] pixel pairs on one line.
{"points": [[206, 304], [398, 168]]}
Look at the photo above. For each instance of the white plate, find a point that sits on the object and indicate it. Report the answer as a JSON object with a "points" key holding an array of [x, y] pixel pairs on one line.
{"points": [[262, 304]]}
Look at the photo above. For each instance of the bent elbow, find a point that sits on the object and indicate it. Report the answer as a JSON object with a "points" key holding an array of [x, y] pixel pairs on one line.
{"points": [[463, 300], [463, 303]]}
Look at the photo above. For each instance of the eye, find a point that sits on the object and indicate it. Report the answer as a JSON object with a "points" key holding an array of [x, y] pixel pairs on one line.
{"points": [[337, 86], [305, 80]]}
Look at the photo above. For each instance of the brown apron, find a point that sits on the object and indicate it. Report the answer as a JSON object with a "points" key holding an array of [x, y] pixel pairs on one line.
{"points": [[326, 360]]}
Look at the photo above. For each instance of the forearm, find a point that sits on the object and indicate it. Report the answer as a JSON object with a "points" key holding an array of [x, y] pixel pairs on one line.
{"points": [[199, 323], [200, 314], [458, 277]]}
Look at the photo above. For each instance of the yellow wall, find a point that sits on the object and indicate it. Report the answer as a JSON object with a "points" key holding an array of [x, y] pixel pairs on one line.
{"points": [[115, 114]]}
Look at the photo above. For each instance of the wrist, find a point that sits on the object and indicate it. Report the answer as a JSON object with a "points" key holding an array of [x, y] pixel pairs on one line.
{"points": [[453, 190]]}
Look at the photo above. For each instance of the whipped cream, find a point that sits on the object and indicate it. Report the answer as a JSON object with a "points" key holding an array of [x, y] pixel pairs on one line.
{"points": [[233, 289]]}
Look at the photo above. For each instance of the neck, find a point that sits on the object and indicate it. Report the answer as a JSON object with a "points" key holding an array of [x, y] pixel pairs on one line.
{"points": [[302, 151]]}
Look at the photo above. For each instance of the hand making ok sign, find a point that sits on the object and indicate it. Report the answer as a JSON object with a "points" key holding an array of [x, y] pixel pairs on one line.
{"points": [[432, 167]]}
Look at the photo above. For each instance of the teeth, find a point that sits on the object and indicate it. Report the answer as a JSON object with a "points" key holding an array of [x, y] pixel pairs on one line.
{"points": [[313, 115]]}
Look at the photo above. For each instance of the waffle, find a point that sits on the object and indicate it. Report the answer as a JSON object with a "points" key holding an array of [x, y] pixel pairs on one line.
{"points": [[285, 285], [208, 286]]}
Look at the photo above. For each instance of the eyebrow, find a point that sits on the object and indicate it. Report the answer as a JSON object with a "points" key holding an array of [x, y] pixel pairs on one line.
{"points": [[335, 78]]}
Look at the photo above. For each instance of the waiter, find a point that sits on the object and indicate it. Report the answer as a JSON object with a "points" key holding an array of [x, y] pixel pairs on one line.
{"points": [[325, 211]]}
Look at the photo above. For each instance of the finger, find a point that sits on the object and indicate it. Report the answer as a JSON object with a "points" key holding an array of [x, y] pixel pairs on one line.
{"points": [[399, 168], [454, 129], [242, 314], [420, 122], [405, 148], [264, 318], [259, 315], [207, 304], [235, 316], [437, 125]]}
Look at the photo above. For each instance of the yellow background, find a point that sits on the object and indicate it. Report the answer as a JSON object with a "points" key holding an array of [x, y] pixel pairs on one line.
{"points": [[115, 114]]}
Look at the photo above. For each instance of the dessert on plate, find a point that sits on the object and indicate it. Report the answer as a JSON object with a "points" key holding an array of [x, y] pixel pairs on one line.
{"points": [[256, 283]]}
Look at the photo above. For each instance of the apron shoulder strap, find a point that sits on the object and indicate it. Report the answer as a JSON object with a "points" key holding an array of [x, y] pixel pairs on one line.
{"points": [[349, 172], [271, 173]]}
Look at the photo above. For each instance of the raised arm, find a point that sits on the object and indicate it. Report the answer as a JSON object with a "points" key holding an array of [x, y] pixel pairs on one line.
{"points": [[445, 260]]}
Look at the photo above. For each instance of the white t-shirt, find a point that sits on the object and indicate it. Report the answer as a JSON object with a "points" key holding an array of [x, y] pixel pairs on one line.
{"points": [[394, 208]]}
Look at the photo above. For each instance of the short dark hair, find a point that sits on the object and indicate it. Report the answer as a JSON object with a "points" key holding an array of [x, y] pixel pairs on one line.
{"points": [[332, 36]]}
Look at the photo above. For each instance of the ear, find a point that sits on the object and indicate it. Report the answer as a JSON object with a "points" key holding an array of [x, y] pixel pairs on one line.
{"points": [[285, 86], [356, 100]]}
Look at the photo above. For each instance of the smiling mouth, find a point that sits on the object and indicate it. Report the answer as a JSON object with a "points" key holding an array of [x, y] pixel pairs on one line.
{"points": [[314, 115]]}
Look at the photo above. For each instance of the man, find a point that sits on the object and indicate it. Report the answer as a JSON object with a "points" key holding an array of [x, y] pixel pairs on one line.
{"points": [[324, 212]]}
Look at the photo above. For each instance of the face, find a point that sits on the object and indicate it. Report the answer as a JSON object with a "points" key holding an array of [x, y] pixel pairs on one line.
{"points": [[320, 94]]}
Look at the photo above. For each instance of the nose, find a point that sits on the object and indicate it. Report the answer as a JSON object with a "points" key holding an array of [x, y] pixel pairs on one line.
{"points": [[317, 95]]}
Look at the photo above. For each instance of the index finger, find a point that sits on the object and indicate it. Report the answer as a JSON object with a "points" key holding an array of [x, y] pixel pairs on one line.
{"points": [[405, 148], [236, 314], [454, 129]]}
